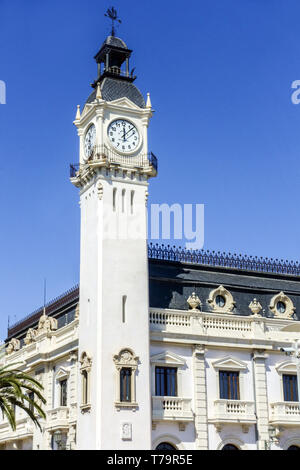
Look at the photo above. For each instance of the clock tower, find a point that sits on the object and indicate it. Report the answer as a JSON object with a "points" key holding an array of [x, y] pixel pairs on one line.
{"points": [[114, 409]]}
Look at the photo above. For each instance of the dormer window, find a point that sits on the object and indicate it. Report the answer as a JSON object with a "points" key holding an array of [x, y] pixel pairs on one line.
{"points": [[281, 307], [220, 301]]}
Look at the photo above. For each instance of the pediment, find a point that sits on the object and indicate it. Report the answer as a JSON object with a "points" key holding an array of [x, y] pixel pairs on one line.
{"points": [[229, 363], [294, 327], [167, 358], [62, 373], [125, 102], [286, 367]]}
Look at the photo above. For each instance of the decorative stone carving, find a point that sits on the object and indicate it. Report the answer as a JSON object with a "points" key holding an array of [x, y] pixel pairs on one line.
{"points": [[126, 431], [85, 361], [126, 357], [100, 190], [73, 356], [30, 336], [228, 304], [289, 306], [13, 345], [76, 316], [194, 302], [46, 324], [146, 198], [255, 307]]}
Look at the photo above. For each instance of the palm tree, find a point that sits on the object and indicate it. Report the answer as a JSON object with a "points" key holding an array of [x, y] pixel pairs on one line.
{"points": [[18, 389]]}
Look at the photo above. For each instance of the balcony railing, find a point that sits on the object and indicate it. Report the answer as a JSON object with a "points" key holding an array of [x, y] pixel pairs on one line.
{"points": [[102, 155], [24, 428], [234, 411], [284, 413], [59, 417], [172, 409], [173, 321]]}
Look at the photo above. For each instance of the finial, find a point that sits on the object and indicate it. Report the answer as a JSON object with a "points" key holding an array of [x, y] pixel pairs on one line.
{"points": [[77, 117], [194, 302], [148, 104], [112, 14], [98, 93]]}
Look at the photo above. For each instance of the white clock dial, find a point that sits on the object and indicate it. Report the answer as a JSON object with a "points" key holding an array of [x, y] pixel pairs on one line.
{"points": [[123, 135], [90, 140]]}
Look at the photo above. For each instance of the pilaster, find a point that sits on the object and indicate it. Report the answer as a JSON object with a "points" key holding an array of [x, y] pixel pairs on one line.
{"points": [[261, 397], [200, 397]]}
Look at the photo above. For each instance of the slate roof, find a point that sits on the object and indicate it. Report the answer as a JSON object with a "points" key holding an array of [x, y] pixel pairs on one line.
{"points": [[171, 282], [114, 41], [113, 89]]}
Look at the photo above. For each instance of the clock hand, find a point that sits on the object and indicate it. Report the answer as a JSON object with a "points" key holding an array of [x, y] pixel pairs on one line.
{"points": [[128, 131]]}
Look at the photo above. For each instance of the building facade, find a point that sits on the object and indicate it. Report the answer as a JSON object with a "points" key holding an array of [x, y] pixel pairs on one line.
{"points": [[158, 348]]}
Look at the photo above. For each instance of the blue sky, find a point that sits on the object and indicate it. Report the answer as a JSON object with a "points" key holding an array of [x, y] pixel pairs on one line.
{"points": [[225, 130]]}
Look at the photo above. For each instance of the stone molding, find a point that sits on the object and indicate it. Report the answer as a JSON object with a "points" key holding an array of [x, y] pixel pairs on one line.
{"points": [[127, 359], [289, 306], [85, 361], [229, 363], [229, 301]]}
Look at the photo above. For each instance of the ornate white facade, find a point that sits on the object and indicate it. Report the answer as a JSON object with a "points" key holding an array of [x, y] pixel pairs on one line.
{"points": [[103, 367], [198, 345]]}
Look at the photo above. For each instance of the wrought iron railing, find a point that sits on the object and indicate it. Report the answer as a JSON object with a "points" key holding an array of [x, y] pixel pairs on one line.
{"points": [[227, 260], [58, 302], [114, 70], [102, 154]]}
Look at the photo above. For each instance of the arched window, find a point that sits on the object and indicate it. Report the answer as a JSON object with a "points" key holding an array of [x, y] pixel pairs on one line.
{"points": [[293, 447], [126, 363], [230, 447], [85, 369], [125, 384], [165, 446]]}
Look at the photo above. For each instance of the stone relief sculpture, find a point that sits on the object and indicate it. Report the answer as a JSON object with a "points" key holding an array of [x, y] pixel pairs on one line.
{"points": [[30, 336], [13, 345], [46, 324]]}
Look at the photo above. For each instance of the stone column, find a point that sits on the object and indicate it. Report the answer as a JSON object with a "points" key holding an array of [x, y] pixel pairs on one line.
{"points": [[200, 398], [261, 397]]}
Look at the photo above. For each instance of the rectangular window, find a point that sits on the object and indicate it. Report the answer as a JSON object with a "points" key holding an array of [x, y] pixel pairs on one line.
{"points": [[290, 387], [125, 384], [85, 387], [124, 297], [229, 385], [166, 381], [63, 392], [114, 198], [31, 397]]}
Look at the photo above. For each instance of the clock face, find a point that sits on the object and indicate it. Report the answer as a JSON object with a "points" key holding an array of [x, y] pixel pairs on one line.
{"points": [[90, 140], [123, 135]]}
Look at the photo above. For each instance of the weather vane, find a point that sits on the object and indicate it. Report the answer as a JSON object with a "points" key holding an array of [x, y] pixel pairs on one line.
{"points": [[113, 15]]}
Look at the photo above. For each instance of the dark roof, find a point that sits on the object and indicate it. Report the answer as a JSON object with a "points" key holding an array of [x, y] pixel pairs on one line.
{"points": [[175, 273], [113, 41], [64, 301], [113, 89]]}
